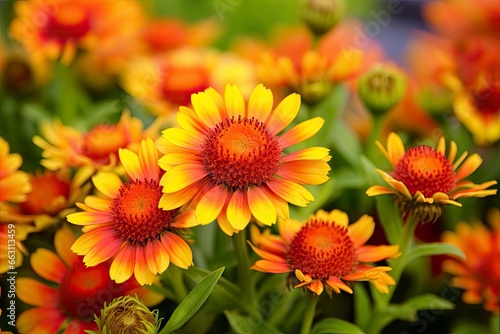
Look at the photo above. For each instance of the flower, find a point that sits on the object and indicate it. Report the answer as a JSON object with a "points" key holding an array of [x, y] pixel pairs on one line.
{"points": [[14, 184], [424, 179], [124, 222], [75, 292], [127, 314], [479, 273], [98, 148], [11, 248], [60, 29], [228, 159], [324, 252], [52, 198]]}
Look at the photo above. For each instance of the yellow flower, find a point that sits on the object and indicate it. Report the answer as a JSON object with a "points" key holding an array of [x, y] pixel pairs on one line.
{"points": [[125, 224], [228, 159], [324, 252], [479, 273], [424, 179]]}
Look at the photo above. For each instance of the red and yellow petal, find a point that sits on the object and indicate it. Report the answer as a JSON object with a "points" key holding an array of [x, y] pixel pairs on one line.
{"points": [[148, 158], [284, 114], [41, 320], [174, 200], [310, 153], [183, 138], [104, 250], [271, 267], [182, 176], [35, 293], [122, 266], [63, 240], [141, 269], [48, 265], [312, 172], [92, 238], [224, 223], [469, 166], [238, 211], [261, 207], [290, 191], [211, 204], [377, 253], [158, 259], [178, 250]]}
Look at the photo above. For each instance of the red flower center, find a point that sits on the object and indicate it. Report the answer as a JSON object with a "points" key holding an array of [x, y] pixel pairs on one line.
{"points": [[135, 213], [241, 153], [487, 100], [48, 190], [424, 169], [84, 291], [69, 21], [322, 249], [102, 141]]}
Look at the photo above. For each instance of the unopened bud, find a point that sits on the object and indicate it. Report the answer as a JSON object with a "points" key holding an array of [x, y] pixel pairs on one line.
{"points": [[435, 99], [322, 15], [381, 88]]}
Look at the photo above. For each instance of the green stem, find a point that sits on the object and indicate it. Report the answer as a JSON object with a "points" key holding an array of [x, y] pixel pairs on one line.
{"points": [[307, 321], [174, 276], [244, 280]]}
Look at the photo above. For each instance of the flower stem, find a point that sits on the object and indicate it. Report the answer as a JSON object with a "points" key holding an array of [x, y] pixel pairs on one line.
{"points": [[307, 321], [176, 279], [244, 279]]}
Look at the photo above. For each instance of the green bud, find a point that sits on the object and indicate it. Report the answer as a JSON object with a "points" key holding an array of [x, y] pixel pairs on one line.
{"points": [[127, 315], [322, 15], [435, 99], [381, 88]]}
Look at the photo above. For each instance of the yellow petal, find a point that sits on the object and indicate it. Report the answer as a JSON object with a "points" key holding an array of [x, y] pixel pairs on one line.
{"points": [[301, 132], [107, 183], [179, 251], [181, 177], [206, 109], [122, 266], [290, 191], [211, 204], [261, 206], [284, 114], [310, 153], [130, 162], [260, 103], [361, 231], [238, 212], [148, 158], [183, 138], [235, 103]]}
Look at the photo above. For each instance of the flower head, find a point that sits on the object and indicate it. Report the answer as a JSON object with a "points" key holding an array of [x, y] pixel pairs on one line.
{"points": [[324, 252], [14, 184], [228, 159], [98, 148], [127, 314], [76, 292], [125, 224], [424, 179], [479, 273]]}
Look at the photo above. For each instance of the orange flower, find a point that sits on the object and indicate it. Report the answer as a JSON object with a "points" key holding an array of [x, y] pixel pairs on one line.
{"points": [[98, 148], [295, 64], [11, 247], [228, 159], [479, 273], [59, 28], [14, 184], [324, 252], [124, 222], [75, 294], [424, 179]]}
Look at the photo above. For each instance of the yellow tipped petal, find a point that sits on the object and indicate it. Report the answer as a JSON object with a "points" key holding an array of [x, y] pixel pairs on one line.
{"points": [[179, 251], [301, 132], [361, 231], [235, 103], [238, 212], [122, 266], [211, 204], [260, 103], [206, 109], [130, 162], [261, 206], [181, 177], [107, 183], [284, 114]]}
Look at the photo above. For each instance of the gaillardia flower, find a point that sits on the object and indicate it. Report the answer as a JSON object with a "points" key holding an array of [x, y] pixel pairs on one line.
{"points": [[75, 294], [64, 146], [124, 222], [424, 179], [324, 252], [228, 159], [479, 273]]}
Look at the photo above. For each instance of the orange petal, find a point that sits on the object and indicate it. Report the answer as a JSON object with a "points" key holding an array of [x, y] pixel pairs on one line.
{"points": [[316, 287], [148, 158], [282, 209], [377, 253], [92, 238], [469, 166], [310, 153], [238, 212], [361, 231], [103, 251], [290, 191], [35, 293], [271, 267], [267, 255], [288, 229], [301, 132], [174, 200], [185, 220], [63, 240], [312, 172], [284, 114], [211, 204], [40, 320], [178, 250], [141, 269], [122, 266], [98, 203], [158, 259], [336, 284], [48, 265], [379, 190], [261, 206]]}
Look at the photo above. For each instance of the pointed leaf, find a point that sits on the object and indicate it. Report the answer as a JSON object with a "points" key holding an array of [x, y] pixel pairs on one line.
{"points": [[333, 325], [435, 248], [253, 323]]}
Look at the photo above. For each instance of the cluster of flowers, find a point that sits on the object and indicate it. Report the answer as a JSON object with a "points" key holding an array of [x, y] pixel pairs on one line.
{"points": [[229, 144]]}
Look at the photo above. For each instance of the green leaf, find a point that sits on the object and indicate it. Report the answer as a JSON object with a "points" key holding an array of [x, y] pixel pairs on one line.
{"points": [[408, 310], [333, 325], [390, 218], [362, 305], [252, 323], [193, 301], [435, 248]]}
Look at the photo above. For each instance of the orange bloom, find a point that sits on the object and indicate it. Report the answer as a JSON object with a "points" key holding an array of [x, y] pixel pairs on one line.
{"points": [[228, 159], [98, 148], [324, 252], [424, 179], [14, 184], [479, 273], [59, 28], [294, 63], [124, 222], [75, 292]]}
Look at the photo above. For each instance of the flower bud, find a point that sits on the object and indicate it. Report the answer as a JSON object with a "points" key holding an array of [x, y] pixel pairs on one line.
{"points": [[435, 99], [381, 88], [127, 315], [322, 15]]}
